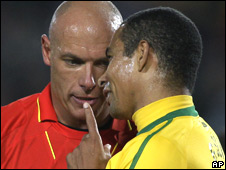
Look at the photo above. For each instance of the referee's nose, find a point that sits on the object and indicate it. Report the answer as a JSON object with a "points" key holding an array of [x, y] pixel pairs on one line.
{"points": [[86, 80]]}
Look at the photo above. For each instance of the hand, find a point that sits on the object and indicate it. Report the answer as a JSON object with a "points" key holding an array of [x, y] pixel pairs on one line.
{"points": [[90, 154]]}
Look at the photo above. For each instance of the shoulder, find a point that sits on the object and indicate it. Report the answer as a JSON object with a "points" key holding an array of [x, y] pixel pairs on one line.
{"points": [[15, 115], [158, 152], [200, 134], [164, 153], [203, 139]]}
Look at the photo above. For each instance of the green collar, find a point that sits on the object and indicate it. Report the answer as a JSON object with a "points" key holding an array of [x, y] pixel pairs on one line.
{"points": [[188, 111]]}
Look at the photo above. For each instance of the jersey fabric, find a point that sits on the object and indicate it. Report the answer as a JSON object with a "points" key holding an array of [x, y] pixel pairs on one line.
{"points": [[171, 135], [32, 137]]}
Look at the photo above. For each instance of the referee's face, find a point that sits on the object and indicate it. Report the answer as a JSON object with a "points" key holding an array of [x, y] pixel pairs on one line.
{"points": [[77, 60]]}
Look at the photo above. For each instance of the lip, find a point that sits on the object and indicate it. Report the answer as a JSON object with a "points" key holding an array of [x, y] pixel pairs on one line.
{"points": [[85, 99]]}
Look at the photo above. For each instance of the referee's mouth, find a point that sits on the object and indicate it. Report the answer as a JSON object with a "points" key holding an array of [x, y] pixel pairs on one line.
{"points": [[85, 99]]}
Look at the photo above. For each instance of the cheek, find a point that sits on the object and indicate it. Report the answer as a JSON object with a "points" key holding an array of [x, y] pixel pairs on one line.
{"points": [[58, 79], [122, 73], [62, 77], [123, 85], [58, 71]]}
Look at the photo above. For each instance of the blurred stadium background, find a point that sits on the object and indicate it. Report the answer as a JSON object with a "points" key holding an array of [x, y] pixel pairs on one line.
{"points": [[23, 72]]}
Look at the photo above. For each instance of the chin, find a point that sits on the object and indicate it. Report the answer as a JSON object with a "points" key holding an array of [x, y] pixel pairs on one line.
{"points": [[78, 114]]}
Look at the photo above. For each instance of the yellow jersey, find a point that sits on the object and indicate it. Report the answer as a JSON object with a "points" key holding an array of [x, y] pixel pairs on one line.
{"points": [[171, 135]]}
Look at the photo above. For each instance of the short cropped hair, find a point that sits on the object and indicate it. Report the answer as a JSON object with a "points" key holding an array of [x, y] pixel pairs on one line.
{"points": [[174, 38]]}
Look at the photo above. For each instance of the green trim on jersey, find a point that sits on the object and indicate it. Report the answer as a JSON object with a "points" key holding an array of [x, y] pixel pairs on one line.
{"points": [[189, 111], [137, 156]]}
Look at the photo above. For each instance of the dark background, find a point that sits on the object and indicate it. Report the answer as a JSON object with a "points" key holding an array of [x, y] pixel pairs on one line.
{"points": [[23, 72]]}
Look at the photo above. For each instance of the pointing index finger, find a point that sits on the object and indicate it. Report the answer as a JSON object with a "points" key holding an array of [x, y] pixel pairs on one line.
{"points": [[91, 120]]}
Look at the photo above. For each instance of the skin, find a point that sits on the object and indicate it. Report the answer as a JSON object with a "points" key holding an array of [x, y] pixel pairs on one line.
{"points": [[127, 82], [100, 154], [125, 77], [79, 34]]}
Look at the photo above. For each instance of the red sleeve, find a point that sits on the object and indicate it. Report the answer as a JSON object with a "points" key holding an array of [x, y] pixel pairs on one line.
{"points": [[12, 117]]}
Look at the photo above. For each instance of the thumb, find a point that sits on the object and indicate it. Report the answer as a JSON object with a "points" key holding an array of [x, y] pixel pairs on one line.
{"points": [[107, 149]]}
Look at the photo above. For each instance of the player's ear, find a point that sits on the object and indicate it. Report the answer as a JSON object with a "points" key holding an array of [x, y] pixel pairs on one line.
{"points": [[146, 57], [45, 49], [142, 55]]}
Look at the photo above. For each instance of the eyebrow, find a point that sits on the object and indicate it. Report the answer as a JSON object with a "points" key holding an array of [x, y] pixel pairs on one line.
{"points": [[69, 55], [79, 59]]}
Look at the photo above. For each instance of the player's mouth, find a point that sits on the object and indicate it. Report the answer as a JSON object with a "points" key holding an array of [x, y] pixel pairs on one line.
{"points": [[82, 99]]}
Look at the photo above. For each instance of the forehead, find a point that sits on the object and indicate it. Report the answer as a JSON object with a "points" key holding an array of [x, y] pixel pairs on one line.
{"points": [[116, 43], [84, 26], [83, 44], [85, 41], [86, 53], [86, 36]]}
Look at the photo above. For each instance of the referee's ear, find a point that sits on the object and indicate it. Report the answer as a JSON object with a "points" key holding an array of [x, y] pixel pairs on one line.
{"points": [[45, 49]]}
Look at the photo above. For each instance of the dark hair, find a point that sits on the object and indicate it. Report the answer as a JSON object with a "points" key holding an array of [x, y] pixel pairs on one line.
{"points": [[174, 38]]}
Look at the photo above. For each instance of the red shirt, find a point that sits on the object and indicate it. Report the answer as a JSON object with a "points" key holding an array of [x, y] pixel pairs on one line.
{"points": [[32, 137]]}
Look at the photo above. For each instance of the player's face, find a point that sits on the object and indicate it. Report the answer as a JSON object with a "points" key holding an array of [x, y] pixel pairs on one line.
{"points": [[119, 81], [78, 60]]}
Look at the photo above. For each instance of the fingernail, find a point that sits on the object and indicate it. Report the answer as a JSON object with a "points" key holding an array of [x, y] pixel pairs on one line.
{"points": [[85, 105]]}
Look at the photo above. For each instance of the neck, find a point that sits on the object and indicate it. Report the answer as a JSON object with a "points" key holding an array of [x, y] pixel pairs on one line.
{"points": [[156, 93]]}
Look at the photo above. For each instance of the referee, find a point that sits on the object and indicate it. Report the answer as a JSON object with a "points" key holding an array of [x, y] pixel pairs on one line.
{"points": [[38, 131]]}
